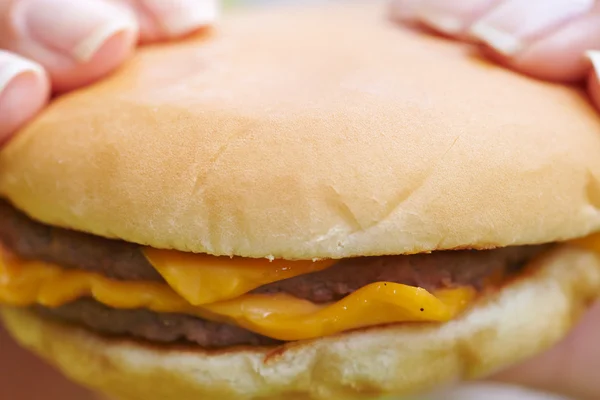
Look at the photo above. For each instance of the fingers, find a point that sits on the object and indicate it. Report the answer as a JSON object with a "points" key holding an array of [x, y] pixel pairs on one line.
{"points": [[163, 19], [570, 369], [543, 38], [73, 43], [24, 90], [81, 41], [511, 25], [547, 39], [449, 17], [77, 41]]}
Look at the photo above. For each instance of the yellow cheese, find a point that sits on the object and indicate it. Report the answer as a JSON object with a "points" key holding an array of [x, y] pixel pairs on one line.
{"points": [[591, 242], [204, 279], [280, 316], [286, 318]]}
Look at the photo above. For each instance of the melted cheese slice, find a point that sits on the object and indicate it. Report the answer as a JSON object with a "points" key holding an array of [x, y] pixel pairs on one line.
{"points": [[280, 316], [591, 242], [286, 318], [204, 279]]}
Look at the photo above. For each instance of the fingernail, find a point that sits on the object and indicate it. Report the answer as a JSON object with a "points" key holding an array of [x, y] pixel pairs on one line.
{"points": [[179, 17], [503, 42], [445, 23], [17, 66], [78, 29], [512, 24], [23, 91], [594, 57], [451, 17]]}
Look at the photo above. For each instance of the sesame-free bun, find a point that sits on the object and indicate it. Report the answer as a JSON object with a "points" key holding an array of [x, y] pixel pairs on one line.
{"points": [[527, 316], [308, 131]]}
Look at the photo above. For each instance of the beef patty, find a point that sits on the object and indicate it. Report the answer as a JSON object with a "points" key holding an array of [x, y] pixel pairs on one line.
{"points": [[125, 261], [155, 327]]}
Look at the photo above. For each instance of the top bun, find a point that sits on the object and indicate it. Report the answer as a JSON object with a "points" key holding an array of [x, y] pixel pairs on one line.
{"points": [[312, 131]]}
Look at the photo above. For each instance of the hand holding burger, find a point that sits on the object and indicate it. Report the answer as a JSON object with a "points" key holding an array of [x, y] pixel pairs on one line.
{"points": [[61, 45]]}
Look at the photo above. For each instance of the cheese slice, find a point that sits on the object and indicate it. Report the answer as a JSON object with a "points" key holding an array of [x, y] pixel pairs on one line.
{"points": [[591, 242], [287, 318], [280, 316], [204, 279]]}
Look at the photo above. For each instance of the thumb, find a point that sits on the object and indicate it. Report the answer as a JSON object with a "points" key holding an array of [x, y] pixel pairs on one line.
{"points": [[570, 369], [77, 41]]}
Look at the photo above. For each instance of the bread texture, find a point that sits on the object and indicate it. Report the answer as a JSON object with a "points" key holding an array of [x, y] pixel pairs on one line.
{"points": [[312, 131], [529, 315]]}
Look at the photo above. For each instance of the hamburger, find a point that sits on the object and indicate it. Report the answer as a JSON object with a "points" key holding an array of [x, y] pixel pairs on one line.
{"points": [[307, 203]]}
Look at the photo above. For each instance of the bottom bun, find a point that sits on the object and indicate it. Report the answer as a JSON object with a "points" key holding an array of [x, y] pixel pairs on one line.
{"points": [[527, 316]]}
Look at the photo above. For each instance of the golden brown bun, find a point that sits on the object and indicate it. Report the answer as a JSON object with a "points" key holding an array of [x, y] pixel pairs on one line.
{"points": [[313, 131], [523, 319]]}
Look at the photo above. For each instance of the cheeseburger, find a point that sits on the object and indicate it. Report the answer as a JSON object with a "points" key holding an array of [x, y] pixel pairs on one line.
{"points": [[307, 203]]}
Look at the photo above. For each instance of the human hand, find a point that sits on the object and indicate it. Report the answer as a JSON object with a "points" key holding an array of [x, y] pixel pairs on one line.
{"points": [[58, 45], [547, 39]]}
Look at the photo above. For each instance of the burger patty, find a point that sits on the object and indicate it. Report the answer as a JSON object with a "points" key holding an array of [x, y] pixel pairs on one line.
{"points": [[124, 261], [155, 327]]}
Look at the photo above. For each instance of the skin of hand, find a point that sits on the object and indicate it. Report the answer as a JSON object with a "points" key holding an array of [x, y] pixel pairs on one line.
{"points": [[553, 40], [59, 45], [52, 46]]}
